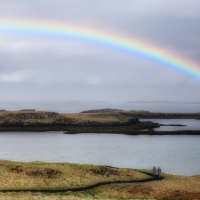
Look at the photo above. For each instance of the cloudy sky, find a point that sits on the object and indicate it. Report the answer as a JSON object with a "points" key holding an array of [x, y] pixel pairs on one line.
{"points": [[39, 67]]}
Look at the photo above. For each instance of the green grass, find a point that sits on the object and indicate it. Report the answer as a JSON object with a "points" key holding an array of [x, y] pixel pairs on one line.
{"points": [[57, 176], [38, 175]]}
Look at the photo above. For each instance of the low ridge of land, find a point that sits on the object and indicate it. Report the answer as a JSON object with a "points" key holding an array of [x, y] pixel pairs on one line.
{"points": [[146, 114], [92, 121], [71, 123]]}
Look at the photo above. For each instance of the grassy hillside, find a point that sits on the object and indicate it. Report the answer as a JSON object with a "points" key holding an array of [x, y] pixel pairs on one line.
{"points": [[38, 180]]}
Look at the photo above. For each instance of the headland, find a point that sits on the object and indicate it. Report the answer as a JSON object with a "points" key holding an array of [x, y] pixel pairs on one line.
{"points": [[92, 121]]}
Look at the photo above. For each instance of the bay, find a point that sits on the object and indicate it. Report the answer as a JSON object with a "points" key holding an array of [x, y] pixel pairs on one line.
{"points": [[189, 124], [174, 154]]}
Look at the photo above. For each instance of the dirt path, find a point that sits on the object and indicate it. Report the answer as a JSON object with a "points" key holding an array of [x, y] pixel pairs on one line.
{"points": [[80, 189]]}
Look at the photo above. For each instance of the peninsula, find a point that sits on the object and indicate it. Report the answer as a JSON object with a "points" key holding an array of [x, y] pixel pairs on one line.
{"points": [[92, 121]]}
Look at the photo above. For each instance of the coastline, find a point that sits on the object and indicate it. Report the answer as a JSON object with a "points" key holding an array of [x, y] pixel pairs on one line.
{"points": [[99, 130], [93, 121], [77, 181]]}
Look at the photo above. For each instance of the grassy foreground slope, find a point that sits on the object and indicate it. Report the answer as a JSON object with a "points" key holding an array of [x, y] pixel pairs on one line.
{"points": [[38, 180]]}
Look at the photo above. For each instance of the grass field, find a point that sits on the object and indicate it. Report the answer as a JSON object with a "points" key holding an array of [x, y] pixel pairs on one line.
{"points": [[38, 180]]}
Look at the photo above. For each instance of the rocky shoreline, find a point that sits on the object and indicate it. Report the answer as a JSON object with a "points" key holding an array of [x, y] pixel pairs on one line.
{"points": [[94, 121]]}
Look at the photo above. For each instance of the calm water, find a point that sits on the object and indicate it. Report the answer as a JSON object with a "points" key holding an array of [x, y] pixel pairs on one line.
{"points": [[73, 107], [174, 154], [191, 124]]}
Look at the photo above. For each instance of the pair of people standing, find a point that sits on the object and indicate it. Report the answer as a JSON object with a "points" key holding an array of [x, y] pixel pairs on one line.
{"points": [[156, 170]]}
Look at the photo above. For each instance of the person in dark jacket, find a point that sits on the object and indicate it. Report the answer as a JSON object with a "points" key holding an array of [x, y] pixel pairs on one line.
{"points": [[159, 171], [154, 171]]}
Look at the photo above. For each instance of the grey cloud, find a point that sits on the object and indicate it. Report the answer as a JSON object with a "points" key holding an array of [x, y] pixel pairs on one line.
{"points": [[54, 68]]}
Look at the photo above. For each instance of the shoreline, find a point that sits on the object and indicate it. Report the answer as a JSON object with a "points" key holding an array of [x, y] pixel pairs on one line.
{"points": [[126, 130], [40, 162], [93, 121]]}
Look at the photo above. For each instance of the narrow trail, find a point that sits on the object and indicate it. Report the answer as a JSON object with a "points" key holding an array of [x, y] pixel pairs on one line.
{"points": [[80, 189]]}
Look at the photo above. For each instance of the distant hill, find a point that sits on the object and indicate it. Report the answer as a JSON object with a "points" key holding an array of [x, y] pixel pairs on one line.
{"points": [[103, 110], [146, 114]]}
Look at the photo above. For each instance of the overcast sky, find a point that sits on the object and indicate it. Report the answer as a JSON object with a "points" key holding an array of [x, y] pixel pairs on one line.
{"points": [[51, 68]]}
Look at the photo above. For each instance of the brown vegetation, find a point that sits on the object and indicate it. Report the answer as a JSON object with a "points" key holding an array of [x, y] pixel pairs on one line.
{"points": [[72, 181]]}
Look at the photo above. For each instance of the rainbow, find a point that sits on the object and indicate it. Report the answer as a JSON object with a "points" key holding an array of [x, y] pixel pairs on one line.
{"points": [[137, 47]]}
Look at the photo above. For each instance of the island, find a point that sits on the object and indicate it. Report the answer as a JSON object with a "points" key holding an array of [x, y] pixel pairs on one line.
{"points": [[108, 120]]}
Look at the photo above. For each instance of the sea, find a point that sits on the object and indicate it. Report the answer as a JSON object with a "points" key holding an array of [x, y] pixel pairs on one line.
{"points": [[175, 154], [79, 106]]}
